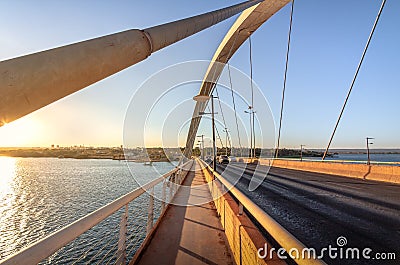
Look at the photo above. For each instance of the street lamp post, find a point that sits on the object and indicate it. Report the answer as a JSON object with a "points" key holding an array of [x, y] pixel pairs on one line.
{"points": [[202, 146], [213, 135], [199, 145], [201, 152], [226, 141], [368, 143], [208, 149], [254, 135], [251, 136], [204, 98], [301, 152]]}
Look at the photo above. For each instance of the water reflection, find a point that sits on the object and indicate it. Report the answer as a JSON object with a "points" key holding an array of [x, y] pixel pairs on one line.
{"points": [[7, 174], [41, 195], [7, 198]]}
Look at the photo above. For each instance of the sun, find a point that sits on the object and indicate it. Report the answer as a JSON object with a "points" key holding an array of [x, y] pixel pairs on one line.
{"points": [[22, 132]]}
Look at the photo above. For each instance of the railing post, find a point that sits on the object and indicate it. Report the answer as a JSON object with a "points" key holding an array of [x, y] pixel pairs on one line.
{"points": [[181, 176], [121, 252], [178, 179], [171, 186], [173, 180], [150, 215], [240, 208], [164, 194]]}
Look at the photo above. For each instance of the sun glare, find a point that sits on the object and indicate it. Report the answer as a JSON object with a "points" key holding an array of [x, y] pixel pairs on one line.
{"points": [[22, 132], [7, 173]]}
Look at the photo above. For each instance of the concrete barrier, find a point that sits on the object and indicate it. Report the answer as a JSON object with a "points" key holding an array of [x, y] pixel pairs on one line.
{"points": [[243, 237], [361, 171]]}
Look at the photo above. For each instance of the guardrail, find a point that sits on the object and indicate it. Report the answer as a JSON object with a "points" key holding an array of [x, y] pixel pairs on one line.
{"points": [[309, 159], [279, 233], [118, 243], [386, 173]]}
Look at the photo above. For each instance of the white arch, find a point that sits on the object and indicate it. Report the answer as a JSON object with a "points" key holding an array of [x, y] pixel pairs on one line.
{"points": [[248, 22]]}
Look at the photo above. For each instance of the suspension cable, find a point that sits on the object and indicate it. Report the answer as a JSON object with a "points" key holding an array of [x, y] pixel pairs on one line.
{"points": [[219, 137], [222, 113], [251, 75], [251, 108], [216, 129], [220, 106], [234, 106], [355, 77], [233, 98], [215, 88], [227, 59], [284, 80]]}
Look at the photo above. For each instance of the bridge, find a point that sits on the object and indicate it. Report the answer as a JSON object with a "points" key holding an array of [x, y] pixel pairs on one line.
{"points": [[258, 210]]}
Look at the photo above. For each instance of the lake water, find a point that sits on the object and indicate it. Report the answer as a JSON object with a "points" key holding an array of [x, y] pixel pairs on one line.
{"points": [[41, 195]]}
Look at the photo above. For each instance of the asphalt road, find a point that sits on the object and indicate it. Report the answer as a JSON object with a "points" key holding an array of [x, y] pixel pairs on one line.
{"points": [[320, 208]]}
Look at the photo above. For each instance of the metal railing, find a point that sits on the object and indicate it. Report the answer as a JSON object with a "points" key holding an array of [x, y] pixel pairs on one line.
{"points": [[283, 237], [122, 238]]}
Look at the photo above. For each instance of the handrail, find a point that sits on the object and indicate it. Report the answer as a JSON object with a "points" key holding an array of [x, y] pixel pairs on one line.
{"points": [[278, 232], [45, 247]]}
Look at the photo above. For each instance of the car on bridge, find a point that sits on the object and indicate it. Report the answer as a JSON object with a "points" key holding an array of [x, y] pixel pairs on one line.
{"points": [[232, 159], [223, 159]]}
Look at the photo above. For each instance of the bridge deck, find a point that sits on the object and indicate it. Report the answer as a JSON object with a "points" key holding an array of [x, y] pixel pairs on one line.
{"points": [[189, 234]]}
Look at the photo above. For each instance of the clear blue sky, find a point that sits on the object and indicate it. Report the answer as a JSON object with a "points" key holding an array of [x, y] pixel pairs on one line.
{"points": [[327, 42]]}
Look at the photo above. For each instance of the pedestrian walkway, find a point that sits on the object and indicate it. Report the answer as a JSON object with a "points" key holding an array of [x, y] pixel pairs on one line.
{"points": [[189, 234]]}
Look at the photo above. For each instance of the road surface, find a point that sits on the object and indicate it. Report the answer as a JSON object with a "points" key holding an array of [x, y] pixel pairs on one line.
{"points": [[320, 208]]}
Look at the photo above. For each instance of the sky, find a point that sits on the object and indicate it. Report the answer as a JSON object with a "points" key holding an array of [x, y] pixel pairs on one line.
{"points": [[327, 42]]}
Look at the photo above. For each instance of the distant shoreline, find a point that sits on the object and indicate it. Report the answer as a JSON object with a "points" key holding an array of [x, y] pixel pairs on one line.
{"points": [[142, 155], [113, 153], [89, 157]]}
